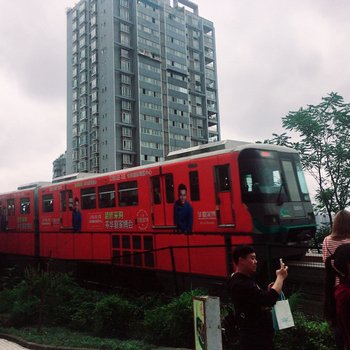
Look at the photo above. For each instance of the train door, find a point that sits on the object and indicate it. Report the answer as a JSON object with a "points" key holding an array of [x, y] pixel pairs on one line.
{"points": [[66, 206], [223, 193], [162, 201]]}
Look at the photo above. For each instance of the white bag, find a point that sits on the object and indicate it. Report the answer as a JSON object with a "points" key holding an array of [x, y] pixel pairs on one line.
{"points": [[282, 315]]}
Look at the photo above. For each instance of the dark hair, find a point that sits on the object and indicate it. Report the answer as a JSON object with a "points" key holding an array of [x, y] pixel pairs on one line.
{"points": [[181, 187], [341, 224], [242, 251], [339, 268]]}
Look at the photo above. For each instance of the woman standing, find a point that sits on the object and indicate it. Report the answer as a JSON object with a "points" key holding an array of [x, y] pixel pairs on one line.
{"points": [[340, 235], [337, 299]]}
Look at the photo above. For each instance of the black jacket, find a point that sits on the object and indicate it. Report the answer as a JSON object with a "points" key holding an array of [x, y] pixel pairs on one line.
{"points": [[252, 304]]}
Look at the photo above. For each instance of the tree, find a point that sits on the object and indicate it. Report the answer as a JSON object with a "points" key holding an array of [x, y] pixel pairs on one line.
{"points": [[324, 144]]}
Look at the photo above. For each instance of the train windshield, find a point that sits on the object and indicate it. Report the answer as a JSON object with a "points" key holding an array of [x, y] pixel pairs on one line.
{"points": [[266, 177]]}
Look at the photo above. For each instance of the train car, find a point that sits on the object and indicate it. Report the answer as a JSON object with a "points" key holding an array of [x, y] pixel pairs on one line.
{"points": [[238, 193]]}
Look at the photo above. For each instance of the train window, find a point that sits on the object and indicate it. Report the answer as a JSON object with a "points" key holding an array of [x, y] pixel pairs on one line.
{"points": [[222, 173], [106, 196], [169, 187], [88, 198], [302, 181], [156, 190], [194, 185], [25, 205], [116, 242], [148, 243], [126, 242], [136, 242], [48, 203], [128, 194], [291, 180], [10, 207]]}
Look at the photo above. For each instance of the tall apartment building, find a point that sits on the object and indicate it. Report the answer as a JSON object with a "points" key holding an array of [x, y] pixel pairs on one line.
{"points": [[141, 82]]}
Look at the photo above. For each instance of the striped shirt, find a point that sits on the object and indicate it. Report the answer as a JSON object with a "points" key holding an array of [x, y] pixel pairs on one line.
{"points": [[329, 246]]}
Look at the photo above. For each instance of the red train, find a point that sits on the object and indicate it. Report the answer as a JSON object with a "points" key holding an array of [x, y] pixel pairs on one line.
{"points": [[238, 192]]}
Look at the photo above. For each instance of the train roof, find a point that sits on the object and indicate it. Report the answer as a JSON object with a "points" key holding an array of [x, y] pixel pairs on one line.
{"points": [[32, 185], [74, 176], [210, 149], [225, 145]]}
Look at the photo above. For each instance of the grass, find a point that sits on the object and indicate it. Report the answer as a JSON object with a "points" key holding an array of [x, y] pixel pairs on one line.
{"points": [[57, 336]]}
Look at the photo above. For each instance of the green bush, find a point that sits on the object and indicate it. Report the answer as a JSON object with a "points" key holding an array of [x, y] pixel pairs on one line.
{"points": [[308, 334], [44, 298], [114, 316], [171, 324], [83, 318]]}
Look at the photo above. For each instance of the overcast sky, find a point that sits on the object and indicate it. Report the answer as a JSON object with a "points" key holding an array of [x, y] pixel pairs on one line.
{"points": [[273, 56]]}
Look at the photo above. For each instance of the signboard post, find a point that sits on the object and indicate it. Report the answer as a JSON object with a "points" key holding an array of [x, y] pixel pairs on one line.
{"points": [[207, 324]]}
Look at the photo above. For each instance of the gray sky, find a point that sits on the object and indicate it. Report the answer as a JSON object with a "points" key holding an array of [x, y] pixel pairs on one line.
{"points": [[273, 56]]}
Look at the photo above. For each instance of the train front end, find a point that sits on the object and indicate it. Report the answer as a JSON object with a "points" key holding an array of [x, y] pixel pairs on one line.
{"points": [[274, 190]]}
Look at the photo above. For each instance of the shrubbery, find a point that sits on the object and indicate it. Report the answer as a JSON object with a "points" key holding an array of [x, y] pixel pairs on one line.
{"points": [[171, 324], [54, 299], [307, 334], [114, 316]]}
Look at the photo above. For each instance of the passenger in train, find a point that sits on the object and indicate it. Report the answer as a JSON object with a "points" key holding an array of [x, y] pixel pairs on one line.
{"points": [[340, 235], [337, 299], [76, 216], [253, 304], [183, 211]]}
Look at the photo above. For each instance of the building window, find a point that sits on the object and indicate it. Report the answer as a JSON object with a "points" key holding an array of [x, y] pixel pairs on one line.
{"points": [[94, 57], [124, 28], [124, 53], [124, 38], [125, 79], [126, 90], [127, 132], [126, 105], [94, 96], [127, 144], [124, 13], [124, 3], [127, 159], [126, 117], [125, 65]]}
